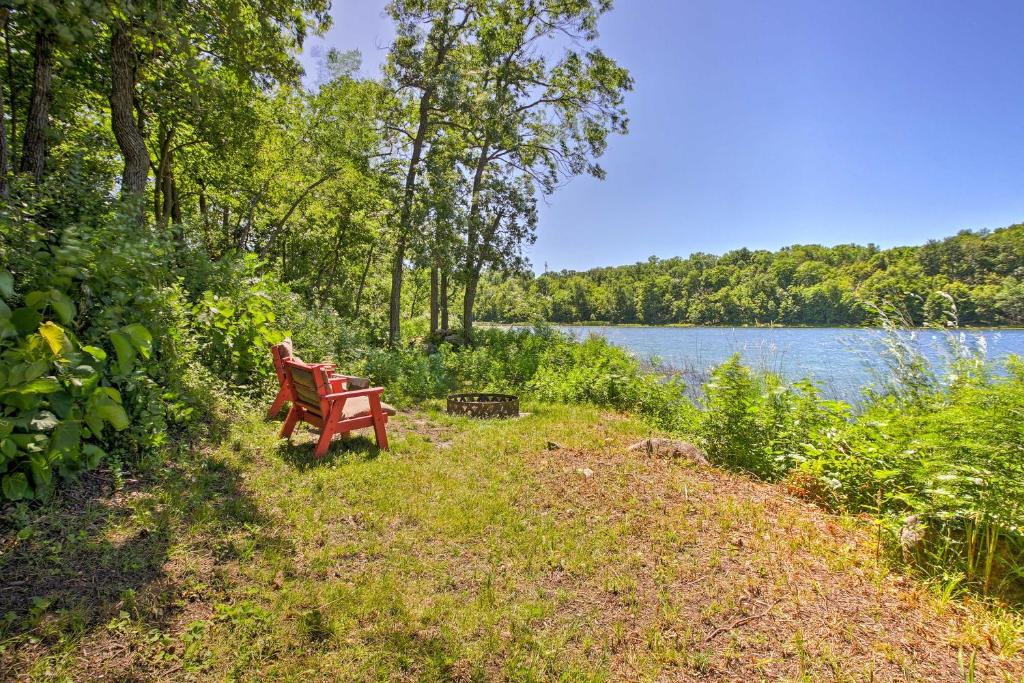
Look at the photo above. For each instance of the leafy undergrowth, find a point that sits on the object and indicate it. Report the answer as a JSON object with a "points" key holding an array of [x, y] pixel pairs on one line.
{"points": [[469, 552]]}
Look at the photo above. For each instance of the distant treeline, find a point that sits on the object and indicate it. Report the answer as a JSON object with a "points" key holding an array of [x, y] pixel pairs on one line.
{"points": [[980, 273]]}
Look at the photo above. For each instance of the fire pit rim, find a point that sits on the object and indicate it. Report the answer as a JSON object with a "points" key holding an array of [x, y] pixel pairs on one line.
{"points": [[483, 404]]}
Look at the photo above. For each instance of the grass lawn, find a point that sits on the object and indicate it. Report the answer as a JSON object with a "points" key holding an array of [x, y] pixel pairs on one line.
{"points": [[471, 551]]}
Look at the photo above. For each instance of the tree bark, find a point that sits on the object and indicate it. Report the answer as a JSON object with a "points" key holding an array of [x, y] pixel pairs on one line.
{"points": [[225, 227], [433, 299], [468, 299], [362, 279], [405, 219], [11, 98], [472, 265], [443, 303], [414, 299], [163, 201], [33, 146], [203, 209], [175, 203], [448, 36], [122, 117], [4, 16], [473, 280]]}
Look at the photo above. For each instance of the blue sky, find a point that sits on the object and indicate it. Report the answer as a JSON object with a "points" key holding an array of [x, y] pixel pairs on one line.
{"points": [[763, 124]]}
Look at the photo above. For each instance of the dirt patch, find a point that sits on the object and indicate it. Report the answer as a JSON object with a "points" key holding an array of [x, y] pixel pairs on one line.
{"points": [[732, 579]]}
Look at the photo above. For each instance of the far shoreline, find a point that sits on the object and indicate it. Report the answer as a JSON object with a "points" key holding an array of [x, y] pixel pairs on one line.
{"points": [[767, 326]]}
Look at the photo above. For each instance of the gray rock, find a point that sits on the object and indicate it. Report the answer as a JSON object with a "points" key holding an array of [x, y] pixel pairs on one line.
{"points": [[670, 448], [911, 537]]}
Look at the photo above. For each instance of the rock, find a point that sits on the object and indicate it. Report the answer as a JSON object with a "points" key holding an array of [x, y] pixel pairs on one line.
{"points": [[911, 537], [552, 446], [586, 472], [669, 448]]}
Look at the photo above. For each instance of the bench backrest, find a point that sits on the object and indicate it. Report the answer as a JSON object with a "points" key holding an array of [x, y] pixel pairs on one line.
{"points": [[309, 385], [280, 353]]}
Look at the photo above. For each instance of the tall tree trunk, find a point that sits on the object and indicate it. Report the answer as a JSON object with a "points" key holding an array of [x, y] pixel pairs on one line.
{"points": [[471, 272], [167, 194], [335, 257], [433, 299], [4, 17], [122, 117], [468, 299], [446, 40], [10, 81], [414, 299], [472, 277], [284, 258], [405, 219], [204, 212], [33, 146], [443, 302], [175, 202], [362, 279], [225, 227], [163, 202]]}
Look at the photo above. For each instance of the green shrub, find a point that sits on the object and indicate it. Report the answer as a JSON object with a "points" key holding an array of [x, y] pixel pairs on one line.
{"points": [[102, 349], [757, 422]]}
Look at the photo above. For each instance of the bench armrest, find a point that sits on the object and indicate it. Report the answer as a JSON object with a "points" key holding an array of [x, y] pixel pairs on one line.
{"points": [[354, 393]]}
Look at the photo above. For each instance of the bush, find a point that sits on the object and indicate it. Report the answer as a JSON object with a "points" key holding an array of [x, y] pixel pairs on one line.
{"points": [[103, 345], [756, 422], [236, 328], [79, 360]]}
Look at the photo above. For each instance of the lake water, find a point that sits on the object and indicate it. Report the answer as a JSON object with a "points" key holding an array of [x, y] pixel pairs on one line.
{"points": [[840, 360]]}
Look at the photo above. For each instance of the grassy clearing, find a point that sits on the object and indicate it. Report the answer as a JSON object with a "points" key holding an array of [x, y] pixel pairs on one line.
{"points": [[471, 551]]}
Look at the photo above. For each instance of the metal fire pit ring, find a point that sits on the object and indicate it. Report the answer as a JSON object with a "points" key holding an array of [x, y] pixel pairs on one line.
{"points": [[483, 405]]}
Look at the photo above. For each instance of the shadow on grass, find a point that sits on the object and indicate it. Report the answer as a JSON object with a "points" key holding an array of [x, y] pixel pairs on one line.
{"points": [[299, 453], [97, 549]]}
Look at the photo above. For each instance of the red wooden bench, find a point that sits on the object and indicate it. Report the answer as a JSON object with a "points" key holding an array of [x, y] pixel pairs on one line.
{"points": [[280, 353], [322, 400]]}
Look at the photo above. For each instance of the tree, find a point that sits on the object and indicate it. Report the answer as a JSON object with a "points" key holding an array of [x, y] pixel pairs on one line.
{"points": [[531, 122], [162, 52], [422, 66]]}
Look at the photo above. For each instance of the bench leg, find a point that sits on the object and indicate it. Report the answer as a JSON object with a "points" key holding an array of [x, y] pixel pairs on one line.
{"points": [[275, 407], [380, 421], [324, 444], [289, 422]]}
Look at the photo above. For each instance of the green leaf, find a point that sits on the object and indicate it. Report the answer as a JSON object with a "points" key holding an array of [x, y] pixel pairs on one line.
{"points": [[105, 406], [66, 437], [96, 352], [36, 369], [15, 486], [93, 455], [36, 299], [6, 284], [125, 352], [55, 338], [141, 339], [61, 403], [41, 472], [42, 385], [63, 306], [25, 320]]}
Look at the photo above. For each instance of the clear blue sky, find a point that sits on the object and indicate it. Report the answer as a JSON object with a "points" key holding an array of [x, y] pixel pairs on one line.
{"points": [[767, 123]]}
